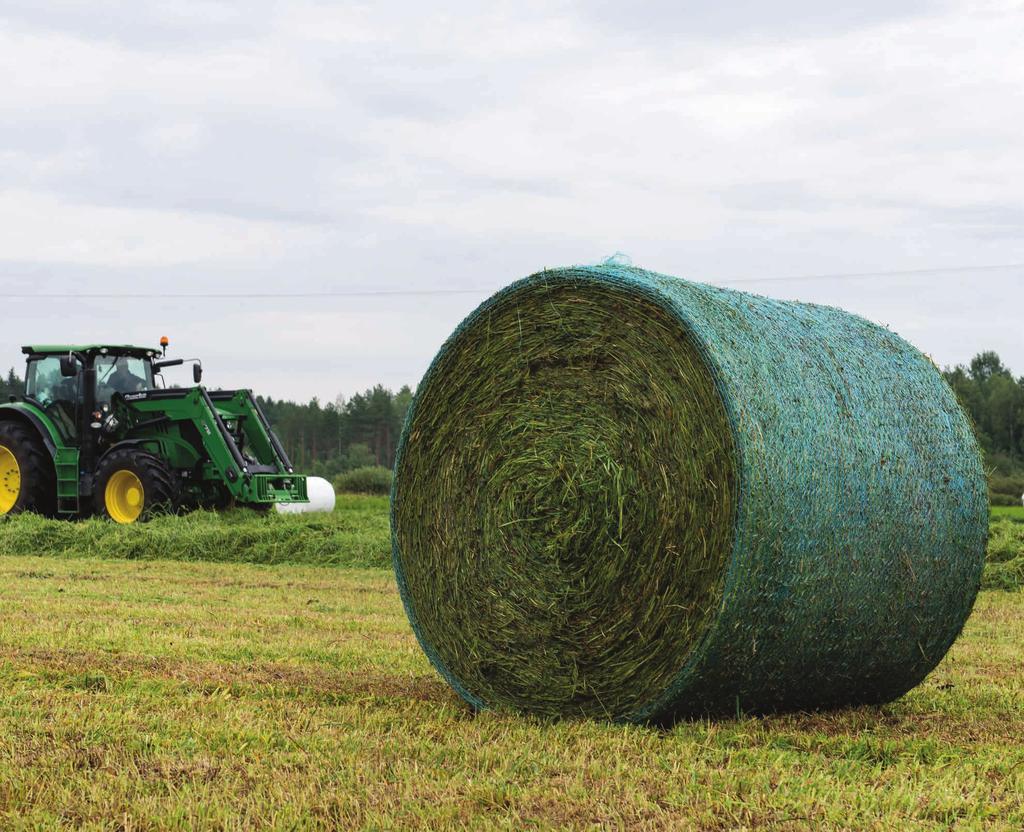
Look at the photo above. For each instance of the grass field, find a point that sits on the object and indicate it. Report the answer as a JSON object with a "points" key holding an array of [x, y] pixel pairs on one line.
{"points": [[1011, 512], [146, 693], [357, 534], [1004, 568], [161, 694]]}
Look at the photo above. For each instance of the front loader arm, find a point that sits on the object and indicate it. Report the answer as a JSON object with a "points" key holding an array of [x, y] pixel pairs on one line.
{"points": [[242, 406], [246, 480]]}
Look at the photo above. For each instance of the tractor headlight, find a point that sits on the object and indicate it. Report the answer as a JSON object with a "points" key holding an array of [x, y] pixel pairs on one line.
{"points": [[110, 424]]}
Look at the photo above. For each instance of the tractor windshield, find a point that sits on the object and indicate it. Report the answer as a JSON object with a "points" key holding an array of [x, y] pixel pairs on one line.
{"points": [[121, 374]]}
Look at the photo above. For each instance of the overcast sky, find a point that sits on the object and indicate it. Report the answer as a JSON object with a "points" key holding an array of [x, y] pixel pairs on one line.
{"points": [[259, 149]]}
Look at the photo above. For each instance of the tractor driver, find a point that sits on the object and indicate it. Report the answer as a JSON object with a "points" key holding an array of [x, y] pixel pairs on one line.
{"points": [[123, 380]]}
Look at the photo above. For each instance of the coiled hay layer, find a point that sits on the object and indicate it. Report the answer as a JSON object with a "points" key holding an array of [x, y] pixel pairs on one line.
{"points": [[622, 494]]}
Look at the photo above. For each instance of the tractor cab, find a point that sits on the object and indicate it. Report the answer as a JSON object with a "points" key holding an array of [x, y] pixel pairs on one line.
{"points": [[74, 385]]}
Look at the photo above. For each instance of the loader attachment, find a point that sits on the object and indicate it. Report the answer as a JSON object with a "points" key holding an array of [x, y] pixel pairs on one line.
{"points": [[241, 453], [267, 472]]}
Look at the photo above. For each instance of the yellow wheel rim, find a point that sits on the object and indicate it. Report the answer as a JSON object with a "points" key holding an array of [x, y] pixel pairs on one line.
{"points": [[124, 497], [10, 480]]}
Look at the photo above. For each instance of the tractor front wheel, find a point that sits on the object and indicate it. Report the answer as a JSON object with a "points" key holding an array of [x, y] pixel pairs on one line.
{"points": [[133, 485], [28, 481]]}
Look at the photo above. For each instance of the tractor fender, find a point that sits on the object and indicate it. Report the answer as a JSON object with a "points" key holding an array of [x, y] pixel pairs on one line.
{"points": [[28, 416], [119, 446]]}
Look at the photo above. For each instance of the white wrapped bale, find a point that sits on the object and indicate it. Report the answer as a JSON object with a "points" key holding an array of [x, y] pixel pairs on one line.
{"points": [[321, 498]]}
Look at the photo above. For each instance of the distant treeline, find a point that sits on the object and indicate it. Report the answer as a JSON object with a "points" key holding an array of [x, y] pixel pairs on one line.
{"points": [[10, 386], [994, 399], [326, 440]]}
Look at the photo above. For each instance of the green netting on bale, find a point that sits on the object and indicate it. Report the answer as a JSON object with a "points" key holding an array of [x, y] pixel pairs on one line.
{"points": [[623, 494]]}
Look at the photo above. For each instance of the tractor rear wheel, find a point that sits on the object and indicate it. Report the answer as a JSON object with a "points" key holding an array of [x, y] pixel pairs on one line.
{"points": [[133, 485], [28, 481]]}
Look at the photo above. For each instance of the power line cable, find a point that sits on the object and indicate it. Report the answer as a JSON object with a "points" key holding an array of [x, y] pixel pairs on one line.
{"points": [[368, 293]]}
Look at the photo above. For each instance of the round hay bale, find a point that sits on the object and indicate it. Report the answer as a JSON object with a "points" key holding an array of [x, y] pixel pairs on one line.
{"points": [[626, 495]]}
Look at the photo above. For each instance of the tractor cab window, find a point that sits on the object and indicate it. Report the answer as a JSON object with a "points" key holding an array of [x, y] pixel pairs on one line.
{"points": [[121, 374], [58, 395]]}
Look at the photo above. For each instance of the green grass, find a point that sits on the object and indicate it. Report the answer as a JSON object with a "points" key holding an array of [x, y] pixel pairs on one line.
{"points": [[1011, 512], [170, 695], [1004, 568], [356, 534], [137, 692]]}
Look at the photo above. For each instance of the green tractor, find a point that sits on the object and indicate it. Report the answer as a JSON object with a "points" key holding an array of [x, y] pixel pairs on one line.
{"points": [[98, 432]]}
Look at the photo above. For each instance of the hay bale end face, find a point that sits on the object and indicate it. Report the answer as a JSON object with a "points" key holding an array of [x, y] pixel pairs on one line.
{"points": [[625, 495]]}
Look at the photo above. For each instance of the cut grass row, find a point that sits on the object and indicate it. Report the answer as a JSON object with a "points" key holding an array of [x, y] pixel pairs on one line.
{"points": [[1004, 567], [357, 534], [170, 695]]}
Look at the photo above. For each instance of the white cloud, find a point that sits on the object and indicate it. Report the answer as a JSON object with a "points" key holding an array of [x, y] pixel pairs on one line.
{"points": [[400, 144], [174, 139], [43, 228]]}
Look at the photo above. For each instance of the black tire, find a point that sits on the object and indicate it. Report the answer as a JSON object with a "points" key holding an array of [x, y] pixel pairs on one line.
{"points": [[160, 491], [36, 479]]}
